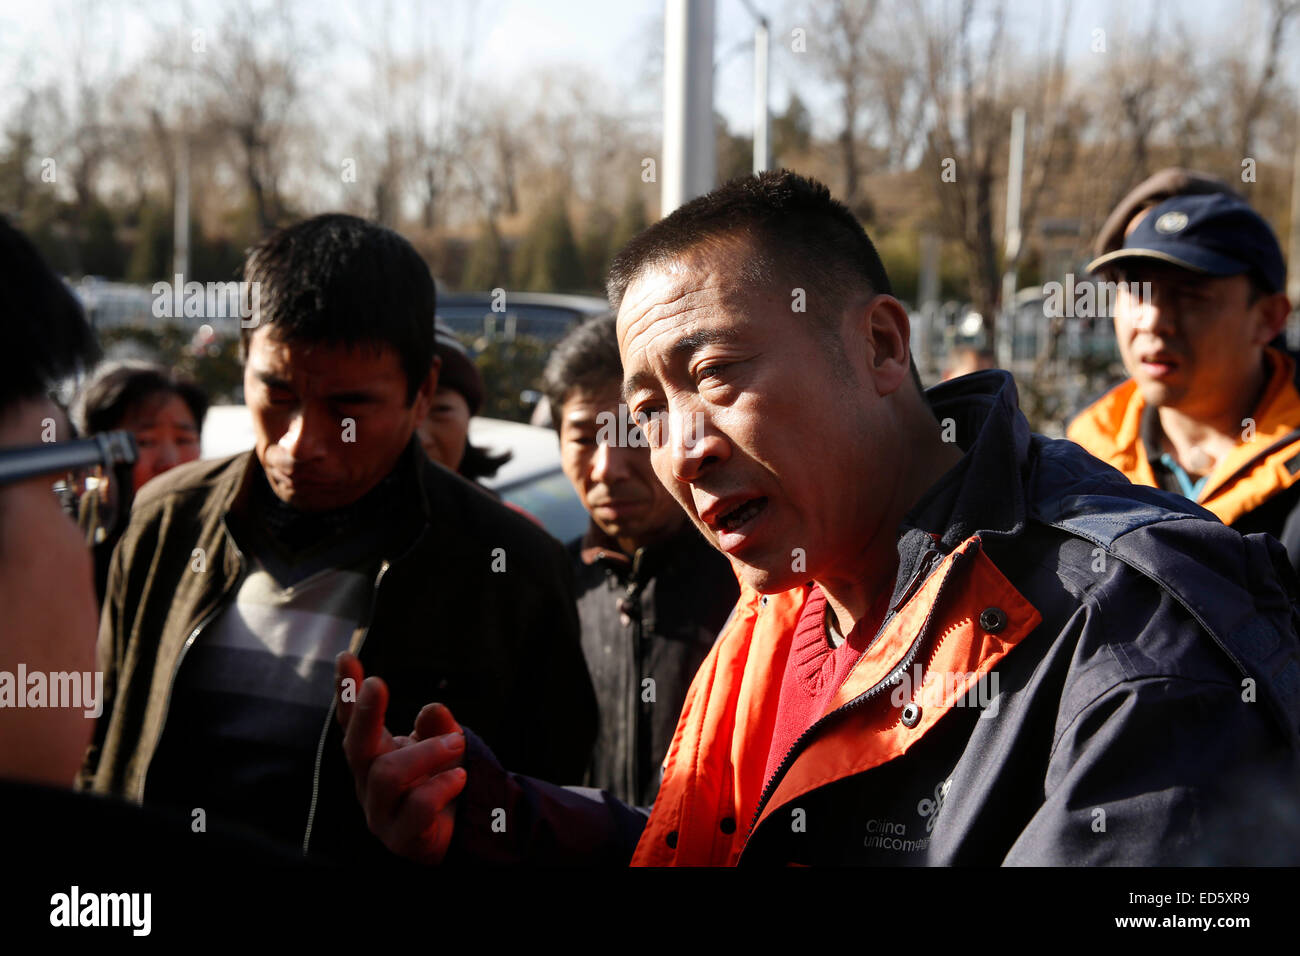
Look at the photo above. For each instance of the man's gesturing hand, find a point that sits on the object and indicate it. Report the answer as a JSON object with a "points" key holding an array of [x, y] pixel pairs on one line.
{"points": [[407, 785]]}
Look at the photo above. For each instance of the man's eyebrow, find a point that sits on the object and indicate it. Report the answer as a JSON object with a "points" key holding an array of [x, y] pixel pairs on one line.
{"points": [[687, 344], [694, 341], [271, 380], [180, 426], [579, 420], [354, 395], [637, 381]]}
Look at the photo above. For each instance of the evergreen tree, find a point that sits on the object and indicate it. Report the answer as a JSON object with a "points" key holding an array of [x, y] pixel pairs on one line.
{"points": [[151, 259], [791, 132], [101, 255], [548, 260], [597, 248], [484, 267], [735, 153]]}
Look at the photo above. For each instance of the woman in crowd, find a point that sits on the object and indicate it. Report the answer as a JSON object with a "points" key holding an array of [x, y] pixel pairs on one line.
{"points": [[445, 432], [163, 410]]}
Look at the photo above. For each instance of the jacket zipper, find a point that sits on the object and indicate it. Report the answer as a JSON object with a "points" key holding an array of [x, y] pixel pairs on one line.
{"points": [[893, 677], [223, 600], [632, 601], [329, 714], [931, 558]]}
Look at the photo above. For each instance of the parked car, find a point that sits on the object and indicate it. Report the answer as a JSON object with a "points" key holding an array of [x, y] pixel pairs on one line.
{"points": [[541, 315], [532, 479]]}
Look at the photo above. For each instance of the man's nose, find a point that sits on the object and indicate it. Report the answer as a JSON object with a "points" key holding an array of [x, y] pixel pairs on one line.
{"points": [[695, 445], [169, 456], [1154, 309], [609, 463], [307, 436]]}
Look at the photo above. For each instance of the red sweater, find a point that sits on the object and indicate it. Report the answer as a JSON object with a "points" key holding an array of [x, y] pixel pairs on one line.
{"points": [[814, 671]]}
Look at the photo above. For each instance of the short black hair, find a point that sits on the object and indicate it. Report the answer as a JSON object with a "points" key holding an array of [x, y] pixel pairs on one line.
{"points": [[46, 336], [586, 359], [340, 280], [796, 229], [116, 387]]}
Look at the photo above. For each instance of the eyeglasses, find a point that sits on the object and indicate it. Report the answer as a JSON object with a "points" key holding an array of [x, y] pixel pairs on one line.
{"points": [[86, 475]]}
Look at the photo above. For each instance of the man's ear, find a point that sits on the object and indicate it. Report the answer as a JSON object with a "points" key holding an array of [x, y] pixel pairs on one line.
{"points": [[1272, 311], [889, 333]]}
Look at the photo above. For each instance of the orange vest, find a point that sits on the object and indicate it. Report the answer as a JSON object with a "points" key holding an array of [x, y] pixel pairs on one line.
{"points": [[1253, 472], [715, 771]]}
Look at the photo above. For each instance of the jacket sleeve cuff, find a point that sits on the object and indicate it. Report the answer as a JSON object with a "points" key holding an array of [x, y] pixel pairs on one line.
{"points": [[504, 818]]}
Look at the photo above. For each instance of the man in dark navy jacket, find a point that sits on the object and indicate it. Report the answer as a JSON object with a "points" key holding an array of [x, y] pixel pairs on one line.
{"points": [[1007, 654]]}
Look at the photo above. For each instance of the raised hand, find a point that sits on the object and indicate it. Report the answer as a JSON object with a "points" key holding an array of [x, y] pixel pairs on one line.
{"points": [[407, 785]]}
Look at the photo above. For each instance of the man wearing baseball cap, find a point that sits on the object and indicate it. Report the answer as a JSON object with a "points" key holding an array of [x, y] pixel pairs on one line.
{"points": [[1210, 409], [1161, 185]]}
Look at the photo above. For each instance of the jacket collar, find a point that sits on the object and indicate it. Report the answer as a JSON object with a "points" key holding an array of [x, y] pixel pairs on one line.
{"points": [[1274, 425], [1274, 419], [1112, 429], [598, 548], [237, 488], [984, 493]]}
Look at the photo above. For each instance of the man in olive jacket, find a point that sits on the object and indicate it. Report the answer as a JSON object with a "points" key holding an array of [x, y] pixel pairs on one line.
{"points": [[239, 581]]}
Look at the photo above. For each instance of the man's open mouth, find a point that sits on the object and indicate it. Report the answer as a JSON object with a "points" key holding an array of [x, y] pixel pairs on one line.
{"points": [[737, 518]]}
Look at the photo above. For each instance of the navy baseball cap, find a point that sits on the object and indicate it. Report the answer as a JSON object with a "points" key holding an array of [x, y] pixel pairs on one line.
{"points": [[1215, 234]]}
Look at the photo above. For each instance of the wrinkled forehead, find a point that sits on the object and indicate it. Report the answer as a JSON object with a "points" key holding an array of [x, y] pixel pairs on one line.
{"points": [[706, 284], [338, 363]]}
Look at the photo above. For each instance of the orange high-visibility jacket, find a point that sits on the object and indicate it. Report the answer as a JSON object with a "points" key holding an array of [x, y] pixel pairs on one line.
{"points": [[715, 771], [1265, 464]]}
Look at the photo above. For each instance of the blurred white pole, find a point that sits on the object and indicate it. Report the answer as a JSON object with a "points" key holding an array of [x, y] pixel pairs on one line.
{"points": [[181, 222], [1015, 172], [689, 164], [762, 151]]}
